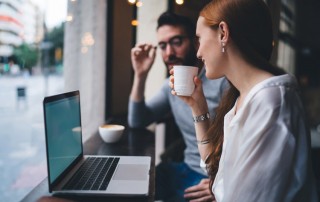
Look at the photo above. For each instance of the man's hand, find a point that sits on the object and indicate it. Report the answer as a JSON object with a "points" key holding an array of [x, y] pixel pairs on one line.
{"points": [[199, 192], [142, 58]]}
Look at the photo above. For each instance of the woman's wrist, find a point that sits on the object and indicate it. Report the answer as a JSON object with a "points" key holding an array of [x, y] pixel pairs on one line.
{"points": [[200, 110], [200, 107], [201, 117]]}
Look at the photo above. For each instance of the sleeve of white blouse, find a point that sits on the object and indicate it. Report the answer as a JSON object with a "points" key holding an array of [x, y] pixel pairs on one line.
{"points": [[260, 165]]}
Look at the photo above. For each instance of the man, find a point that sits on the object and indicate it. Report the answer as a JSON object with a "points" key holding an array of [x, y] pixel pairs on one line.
{"points": [[178, 45]]}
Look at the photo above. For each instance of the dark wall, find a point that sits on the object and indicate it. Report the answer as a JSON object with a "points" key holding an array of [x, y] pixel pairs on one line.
{"points": [[120, 37], [190, 8], [308, 42]]}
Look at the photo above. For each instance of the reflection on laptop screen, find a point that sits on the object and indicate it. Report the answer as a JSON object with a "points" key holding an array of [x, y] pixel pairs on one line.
{"points": [[63, 125]]}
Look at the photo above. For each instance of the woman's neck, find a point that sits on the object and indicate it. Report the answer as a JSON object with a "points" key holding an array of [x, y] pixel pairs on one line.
{"points": [[244, 77]]}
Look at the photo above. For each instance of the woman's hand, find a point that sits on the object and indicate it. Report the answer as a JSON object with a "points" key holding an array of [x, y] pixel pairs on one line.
{"points": [[197, 100]]}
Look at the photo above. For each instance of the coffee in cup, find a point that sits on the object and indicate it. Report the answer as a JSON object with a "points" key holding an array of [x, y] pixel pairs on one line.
{"points": [[111, 132]]}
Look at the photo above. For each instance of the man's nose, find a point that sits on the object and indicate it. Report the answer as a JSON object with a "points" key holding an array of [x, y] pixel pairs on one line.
{"points": [[170, 50]]}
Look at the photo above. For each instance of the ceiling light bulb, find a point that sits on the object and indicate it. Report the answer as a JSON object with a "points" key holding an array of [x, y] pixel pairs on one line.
{"points": [[132, 1], [179, 2]]}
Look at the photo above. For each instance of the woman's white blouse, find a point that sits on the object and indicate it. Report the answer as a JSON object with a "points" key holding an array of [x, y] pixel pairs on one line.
{"points": [[266, 148]]}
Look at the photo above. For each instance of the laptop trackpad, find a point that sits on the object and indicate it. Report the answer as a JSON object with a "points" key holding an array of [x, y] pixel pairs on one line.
{"points": [[131, 172]]}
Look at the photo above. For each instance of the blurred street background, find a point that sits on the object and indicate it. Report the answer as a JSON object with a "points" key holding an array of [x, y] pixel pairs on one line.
{"points": [[31, 59], [22, 145]]}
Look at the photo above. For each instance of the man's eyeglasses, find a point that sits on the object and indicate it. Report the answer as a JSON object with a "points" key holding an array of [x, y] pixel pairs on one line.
{"points": [[174, 42]]}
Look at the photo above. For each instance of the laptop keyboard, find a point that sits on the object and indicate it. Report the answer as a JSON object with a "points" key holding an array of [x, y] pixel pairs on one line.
{"points": [[94, 174]]}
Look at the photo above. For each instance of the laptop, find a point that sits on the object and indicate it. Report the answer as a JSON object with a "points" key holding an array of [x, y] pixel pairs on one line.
{"points": [[71, 172]]}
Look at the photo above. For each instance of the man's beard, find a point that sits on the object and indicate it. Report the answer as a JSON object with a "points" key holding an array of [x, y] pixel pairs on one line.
{"points": [[190, 59]]}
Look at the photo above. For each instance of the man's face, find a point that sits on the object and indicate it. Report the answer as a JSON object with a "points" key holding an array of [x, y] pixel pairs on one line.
{"points": [[175, 46]]}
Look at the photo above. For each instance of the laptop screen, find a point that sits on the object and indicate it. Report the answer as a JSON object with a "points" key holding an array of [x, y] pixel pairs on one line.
{"points": [[63, 133]]}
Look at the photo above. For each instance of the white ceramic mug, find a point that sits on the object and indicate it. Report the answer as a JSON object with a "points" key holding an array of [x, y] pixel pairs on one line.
{"points": [[183, 79], [111, 132]]}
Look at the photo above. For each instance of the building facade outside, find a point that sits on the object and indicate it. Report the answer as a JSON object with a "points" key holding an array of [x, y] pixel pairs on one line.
{"points": [[11, 26], [20, 22]]}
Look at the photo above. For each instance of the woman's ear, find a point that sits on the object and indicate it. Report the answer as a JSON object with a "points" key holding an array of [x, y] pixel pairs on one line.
{"points": [[224, 32]]}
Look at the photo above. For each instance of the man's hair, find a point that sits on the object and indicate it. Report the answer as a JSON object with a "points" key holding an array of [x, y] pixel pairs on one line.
{"points": [[169, 18]]}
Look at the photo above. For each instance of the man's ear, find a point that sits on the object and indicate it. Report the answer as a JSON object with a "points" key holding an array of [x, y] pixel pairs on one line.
{"points": [[224, 32]]}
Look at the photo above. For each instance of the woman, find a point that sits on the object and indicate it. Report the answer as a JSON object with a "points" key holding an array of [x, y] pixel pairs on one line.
{"points": [[257, 147]]}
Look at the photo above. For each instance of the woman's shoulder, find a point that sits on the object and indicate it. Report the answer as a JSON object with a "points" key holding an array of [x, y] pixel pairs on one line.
{"points": [[273, 93]]}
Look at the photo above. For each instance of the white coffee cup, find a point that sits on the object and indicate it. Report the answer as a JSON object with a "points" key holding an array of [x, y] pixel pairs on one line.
{"points": [[183, 79], [111, 132]]}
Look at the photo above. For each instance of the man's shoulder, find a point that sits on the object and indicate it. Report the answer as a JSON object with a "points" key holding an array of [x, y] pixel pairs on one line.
{"points": [[214, 89], [217, 82]]}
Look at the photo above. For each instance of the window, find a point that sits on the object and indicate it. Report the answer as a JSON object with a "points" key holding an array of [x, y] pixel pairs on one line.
{"points": [[31, 58]]}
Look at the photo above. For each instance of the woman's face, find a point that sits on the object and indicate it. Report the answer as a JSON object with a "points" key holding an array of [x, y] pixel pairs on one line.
{"points": [[210, 49]]}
